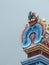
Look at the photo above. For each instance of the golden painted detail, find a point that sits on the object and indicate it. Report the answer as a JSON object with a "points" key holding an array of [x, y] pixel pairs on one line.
{"points": [[44, 20], [48, 24], [37, 47], [47, 28]]}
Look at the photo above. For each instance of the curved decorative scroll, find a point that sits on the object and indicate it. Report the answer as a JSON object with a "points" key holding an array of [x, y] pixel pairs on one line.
{"points": [[37, 29]]}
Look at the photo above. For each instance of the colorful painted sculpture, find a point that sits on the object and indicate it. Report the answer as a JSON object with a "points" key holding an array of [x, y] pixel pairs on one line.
{"points": [[35, 32], [32, 18], [35, 41], [37, 29]]}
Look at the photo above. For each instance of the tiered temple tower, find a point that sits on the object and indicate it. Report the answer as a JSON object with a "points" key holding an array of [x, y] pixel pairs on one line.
{"points": [[35, 41]]}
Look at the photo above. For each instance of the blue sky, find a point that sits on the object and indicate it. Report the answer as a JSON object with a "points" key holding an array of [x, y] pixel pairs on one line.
{"points": [[13, 17]]}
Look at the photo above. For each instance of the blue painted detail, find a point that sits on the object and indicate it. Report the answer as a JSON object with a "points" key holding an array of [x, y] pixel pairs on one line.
{"points": [[38, 63], [37, 29], [36, 60]]}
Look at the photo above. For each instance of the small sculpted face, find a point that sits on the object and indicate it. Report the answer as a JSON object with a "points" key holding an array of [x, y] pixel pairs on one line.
{"points": [[32, 17]]}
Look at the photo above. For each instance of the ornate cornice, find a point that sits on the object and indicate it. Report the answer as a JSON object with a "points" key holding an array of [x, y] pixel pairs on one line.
{"points": [[37, 47], [37, 58]]}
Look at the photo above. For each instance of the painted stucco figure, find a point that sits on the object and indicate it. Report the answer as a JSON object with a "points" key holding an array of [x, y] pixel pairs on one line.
{"points": [[34, 31]]}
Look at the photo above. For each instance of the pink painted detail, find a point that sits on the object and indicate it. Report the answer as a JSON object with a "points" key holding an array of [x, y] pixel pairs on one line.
{"points": [[46, 41], [48, 45], [33, 19], [32, 37], [26, 26]]}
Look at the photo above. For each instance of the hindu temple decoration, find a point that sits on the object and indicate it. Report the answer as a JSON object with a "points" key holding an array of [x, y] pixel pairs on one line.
{"points": [[35, 32], [35, 40]]}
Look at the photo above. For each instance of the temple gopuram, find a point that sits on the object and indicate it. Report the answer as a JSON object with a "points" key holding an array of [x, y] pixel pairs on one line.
{"points": [[35, 40]]}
